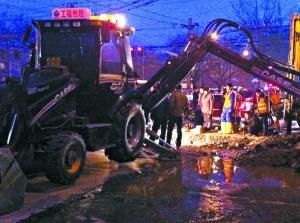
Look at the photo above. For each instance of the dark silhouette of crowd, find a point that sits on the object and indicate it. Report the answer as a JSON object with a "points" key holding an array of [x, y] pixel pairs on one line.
{"points": [[240, 113], [169, 113]]}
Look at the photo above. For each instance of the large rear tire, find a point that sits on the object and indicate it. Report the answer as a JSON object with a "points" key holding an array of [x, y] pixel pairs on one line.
{"points": [[128, 132], [12, 182], [65, 157]]}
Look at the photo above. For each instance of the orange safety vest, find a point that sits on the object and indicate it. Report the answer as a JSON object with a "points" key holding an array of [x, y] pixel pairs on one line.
{"points": [[262, 106], [275, 99], [227, 101]]}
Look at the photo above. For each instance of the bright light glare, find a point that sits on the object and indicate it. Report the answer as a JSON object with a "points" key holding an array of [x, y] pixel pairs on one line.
{"points": [[120, 20], [117, 19], [246, 53], [214, 36]]}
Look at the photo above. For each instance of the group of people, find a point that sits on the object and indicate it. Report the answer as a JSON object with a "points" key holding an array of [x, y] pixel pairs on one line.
{"points": [[203, 104], [236, 115], [168, 114], [255, 117], [264, 109]]}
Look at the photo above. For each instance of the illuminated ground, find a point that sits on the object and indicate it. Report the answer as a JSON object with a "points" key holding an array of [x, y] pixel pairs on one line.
{"points": [[242, 148]]}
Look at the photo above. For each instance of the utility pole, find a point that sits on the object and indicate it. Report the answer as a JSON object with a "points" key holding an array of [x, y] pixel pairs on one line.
{"points": [[190, 26]]}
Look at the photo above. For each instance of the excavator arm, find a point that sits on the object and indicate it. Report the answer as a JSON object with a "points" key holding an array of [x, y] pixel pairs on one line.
{"points": [[177, 68], [264, 69], [171, 74]]}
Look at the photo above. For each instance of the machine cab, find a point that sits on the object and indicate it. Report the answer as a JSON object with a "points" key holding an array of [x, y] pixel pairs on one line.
{"points": [[94, 48]]}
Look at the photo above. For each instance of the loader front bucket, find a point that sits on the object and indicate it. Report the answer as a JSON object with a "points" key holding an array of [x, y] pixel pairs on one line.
{"points": [[12, 182], [164, 151]]}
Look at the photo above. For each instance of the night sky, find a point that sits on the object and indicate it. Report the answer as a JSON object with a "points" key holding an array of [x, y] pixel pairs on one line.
{"points": [[156, 21]]}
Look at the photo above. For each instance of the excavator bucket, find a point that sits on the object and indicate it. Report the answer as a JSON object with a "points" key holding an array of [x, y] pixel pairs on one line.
{"points": [[12, 182]]}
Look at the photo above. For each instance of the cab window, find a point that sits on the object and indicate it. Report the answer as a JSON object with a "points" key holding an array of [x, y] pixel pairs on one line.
{"points": [[112, 56]]}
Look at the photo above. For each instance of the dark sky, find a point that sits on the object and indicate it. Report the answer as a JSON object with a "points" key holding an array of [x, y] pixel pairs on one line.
{"points": [[156, 21]]}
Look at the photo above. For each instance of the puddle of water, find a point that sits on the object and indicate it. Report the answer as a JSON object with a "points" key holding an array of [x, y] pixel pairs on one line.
{"points": [[195, 189]]}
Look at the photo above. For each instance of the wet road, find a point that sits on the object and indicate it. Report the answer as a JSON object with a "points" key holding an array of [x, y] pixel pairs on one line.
{"points": [[194, 189]]}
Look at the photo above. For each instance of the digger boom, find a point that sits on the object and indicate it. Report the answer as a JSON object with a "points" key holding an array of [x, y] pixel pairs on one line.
{"points": [[177, 68]]}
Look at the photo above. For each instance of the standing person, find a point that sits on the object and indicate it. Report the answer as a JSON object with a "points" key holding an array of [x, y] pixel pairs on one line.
{"points": [[239, 100], [201, 91], [276, 109], [288, 114], [194, 106], [228, 109], [197, 111], [178, 105], [195, 97], [261, 109], [206, 104], [159, 116]]}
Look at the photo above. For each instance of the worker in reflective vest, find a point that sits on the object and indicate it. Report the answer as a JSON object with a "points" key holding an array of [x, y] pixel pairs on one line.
{"points": [[276, 108], [228, 109], [261, 110]]}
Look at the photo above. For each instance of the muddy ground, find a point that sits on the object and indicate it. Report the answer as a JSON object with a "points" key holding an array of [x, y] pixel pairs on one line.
{"points": [[274, 150], [245, 150]]}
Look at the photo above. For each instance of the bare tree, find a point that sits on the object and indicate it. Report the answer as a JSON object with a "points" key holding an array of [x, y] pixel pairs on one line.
{"points": [[177, 43], [265, 20], [220, 72], [258, 13], [215, 72]]}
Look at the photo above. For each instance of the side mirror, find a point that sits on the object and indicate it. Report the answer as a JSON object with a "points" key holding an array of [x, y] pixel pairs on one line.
{"points": [[27, 35]]}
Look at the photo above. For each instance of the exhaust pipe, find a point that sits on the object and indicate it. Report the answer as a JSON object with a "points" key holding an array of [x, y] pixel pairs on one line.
{"points": [[13, 182]]}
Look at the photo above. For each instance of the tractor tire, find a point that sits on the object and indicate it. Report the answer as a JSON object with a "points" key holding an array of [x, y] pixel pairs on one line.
{"points": [[65, 157], [128, 133], [13, 182]]}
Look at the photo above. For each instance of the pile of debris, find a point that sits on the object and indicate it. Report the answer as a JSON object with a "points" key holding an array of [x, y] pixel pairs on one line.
{"points": [[279, 150]]}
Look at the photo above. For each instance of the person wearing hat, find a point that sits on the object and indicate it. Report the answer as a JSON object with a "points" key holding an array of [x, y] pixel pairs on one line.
{"points": [[228, 109], [206, 104], [178, 105], [261, 109], [276, 108]]}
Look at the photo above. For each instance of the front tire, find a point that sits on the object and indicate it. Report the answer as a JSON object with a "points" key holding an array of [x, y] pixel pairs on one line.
{"points": [[65, 157], [128, 132]]}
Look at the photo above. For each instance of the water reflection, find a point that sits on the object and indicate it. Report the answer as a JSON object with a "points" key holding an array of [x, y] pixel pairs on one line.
{"points": [[196, 189], [210, 172], [208, 166]]}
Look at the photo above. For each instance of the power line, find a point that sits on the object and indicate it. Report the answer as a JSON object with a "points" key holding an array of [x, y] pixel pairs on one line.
{"points": [[140, 7], [164, 16], [155, 13], [97, 3]]}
